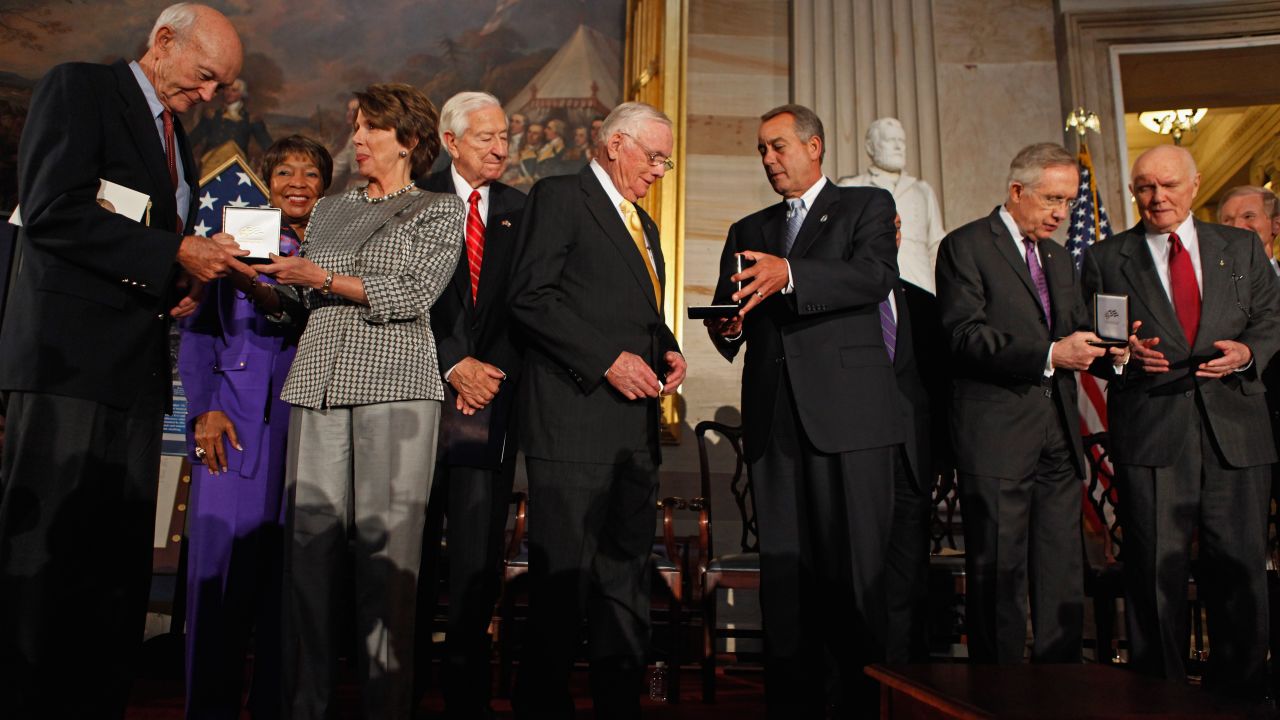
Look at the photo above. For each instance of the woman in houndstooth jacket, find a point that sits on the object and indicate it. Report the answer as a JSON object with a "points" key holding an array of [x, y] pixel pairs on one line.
{"points": [[366, 392]]}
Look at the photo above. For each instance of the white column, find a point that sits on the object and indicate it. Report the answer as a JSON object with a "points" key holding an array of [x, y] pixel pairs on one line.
{"points": [[858, 60]]}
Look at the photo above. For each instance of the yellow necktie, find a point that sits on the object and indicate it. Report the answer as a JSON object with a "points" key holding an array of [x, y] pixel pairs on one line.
{"points": [[637, 236]]}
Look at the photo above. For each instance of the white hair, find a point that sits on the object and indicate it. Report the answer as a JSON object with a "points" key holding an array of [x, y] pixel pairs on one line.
{"points": [[873, 130], [1269, 203], [1031, 161], [178, 17], [627, 118], [455, 116]]}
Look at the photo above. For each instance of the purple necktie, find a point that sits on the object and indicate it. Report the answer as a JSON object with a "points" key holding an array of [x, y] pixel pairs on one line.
{"points": [[888, 328], [1037, 277]]}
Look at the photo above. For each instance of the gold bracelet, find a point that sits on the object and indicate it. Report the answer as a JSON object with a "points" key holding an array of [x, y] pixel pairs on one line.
{"points": [[328, 283]]}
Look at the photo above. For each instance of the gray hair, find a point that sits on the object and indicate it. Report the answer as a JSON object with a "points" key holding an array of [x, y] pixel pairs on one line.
{"points": [[873, 130], [455, 116], [178, 17], [808, 124], [1030, 162], [1270, 205], [628, 117]]}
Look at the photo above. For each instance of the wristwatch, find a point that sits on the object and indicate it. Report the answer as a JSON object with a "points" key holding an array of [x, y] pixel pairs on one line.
{"points": [[328, 283]]}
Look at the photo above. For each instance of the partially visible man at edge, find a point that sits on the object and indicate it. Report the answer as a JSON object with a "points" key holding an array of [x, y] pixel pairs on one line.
{"points": [[84, 359]]}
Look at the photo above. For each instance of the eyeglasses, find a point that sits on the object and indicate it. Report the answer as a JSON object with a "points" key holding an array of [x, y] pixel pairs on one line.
{"points": [[1051, 202], [655, 158]]}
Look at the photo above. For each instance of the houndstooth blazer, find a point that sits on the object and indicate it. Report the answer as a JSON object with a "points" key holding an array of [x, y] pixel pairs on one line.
{"points": [[405, 250]]}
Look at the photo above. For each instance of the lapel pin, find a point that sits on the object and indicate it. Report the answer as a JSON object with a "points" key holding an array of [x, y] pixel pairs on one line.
{"points": [[506, 223], [1222, 263], [822, 219]]}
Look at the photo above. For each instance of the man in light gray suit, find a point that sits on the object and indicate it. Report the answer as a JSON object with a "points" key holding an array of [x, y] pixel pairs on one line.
{"points": [[1188, 421]]}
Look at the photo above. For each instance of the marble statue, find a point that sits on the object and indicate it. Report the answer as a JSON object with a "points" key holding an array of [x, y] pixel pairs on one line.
{"points": [[917, 204]]}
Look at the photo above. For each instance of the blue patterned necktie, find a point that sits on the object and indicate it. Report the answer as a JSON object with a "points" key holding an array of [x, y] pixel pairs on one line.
{"points": [[795, 218], [888, 328], [1037, 277]]}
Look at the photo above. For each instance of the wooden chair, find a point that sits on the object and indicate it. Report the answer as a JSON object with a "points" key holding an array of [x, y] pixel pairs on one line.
{"points": [[669, 563], [945, 616], [738, 570]]}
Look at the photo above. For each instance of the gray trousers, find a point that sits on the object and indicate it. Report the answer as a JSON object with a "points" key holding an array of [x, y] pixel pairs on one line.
{"points": [[358, 481], [1022, 538], [1160, 510]]}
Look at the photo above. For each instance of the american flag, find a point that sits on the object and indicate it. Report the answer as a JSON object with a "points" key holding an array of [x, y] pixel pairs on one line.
{"points": [[231, 184], [1089, 224]]}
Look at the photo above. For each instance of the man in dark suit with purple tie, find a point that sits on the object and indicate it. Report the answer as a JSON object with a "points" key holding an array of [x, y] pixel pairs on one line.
{"points": [[1017, 327], [919, 354]]}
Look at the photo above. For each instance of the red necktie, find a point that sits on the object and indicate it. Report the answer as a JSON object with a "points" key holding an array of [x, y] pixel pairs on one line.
{"points": [[1183, 287], [171, 154], [475, 242]]}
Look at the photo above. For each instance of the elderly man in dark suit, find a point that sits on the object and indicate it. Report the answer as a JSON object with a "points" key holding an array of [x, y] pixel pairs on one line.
{"points": [[822, 417], [480, 361], [1190, 437], [84, 359], [587, 292], [1012, 310]]}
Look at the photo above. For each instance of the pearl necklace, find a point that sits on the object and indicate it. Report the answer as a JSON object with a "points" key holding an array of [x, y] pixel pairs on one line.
{"points": [[364, 194]]}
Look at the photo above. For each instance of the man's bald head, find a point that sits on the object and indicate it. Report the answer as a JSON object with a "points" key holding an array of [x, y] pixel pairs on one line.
{"points": [[193, 51], [1164, 183]]}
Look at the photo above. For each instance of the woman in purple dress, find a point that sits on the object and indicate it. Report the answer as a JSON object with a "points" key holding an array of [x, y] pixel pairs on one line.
{"points": [[235, 355]]}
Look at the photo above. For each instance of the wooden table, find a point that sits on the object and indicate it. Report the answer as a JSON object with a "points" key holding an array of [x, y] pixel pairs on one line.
{"points": [[1042, 692]]}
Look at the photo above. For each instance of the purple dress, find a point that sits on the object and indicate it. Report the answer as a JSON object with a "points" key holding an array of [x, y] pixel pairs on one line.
{"points": [[235, 360]]}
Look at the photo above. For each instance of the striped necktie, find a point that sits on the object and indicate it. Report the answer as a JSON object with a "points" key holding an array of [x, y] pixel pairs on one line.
{"points": [[889, 327], [475, 242]]}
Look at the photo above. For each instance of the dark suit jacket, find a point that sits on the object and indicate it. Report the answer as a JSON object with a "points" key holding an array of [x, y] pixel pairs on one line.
{"points": [[924, 382], [582, 295], [1271, 379], [1240, 300], [90, 312], [999, 344], [480, 329], [826, 335]]}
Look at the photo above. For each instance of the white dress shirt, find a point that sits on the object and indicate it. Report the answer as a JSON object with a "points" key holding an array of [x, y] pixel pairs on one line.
{"points": [[1159, 246], [463, 189]]}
